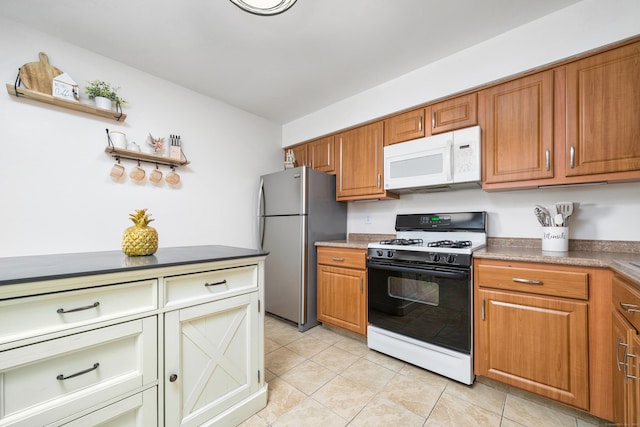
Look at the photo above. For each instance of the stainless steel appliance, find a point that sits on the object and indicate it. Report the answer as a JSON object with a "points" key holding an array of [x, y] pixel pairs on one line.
{"points": [[296, 208], [420, 291], [446, 160]]}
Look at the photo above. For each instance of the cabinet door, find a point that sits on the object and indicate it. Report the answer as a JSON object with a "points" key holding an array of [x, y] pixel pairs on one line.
{"points": [[321, 151], [456, 113], [342, 299], [518, 129], [603, 112], [211, 358], [404, 127], [620, 336], [360, 163], [300, 154], [538, 344]]}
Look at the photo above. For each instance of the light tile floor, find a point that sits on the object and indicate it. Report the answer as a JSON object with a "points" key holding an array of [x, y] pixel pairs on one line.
{"points": [[326, 378]]}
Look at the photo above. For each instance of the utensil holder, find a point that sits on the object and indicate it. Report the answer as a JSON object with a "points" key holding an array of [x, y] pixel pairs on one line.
{"points": [[555, 239]]}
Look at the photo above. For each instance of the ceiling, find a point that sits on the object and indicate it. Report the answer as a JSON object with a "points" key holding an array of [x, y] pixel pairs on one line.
{"points": [[278, 67]]}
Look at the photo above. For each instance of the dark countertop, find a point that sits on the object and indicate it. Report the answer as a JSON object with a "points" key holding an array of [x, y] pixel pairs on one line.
{"points": [[14, 270]]}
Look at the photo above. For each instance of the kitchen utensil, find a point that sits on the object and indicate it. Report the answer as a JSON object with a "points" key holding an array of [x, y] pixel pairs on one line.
{"points": [[540, 215], [566, 209], [156, 175], [172, 177], [117, 171], [544, 213], [137, 174], [39, 76], [558, 220]]}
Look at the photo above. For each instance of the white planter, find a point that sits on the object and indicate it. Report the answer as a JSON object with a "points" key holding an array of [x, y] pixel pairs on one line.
{"points": [[104, 103]]}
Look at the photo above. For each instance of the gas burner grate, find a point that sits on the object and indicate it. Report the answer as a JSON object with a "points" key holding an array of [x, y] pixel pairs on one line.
{"points": [[401, 242], [450, 244]]}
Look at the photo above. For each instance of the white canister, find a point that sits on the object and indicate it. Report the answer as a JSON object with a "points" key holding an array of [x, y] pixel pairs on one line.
{"points": [[119, 139], [555, 239]]}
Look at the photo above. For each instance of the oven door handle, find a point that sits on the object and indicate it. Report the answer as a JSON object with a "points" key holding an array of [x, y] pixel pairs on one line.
{"points": [[431, 270]]}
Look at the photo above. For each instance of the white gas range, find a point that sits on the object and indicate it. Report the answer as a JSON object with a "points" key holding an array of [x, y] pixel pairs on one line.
{"points": [[420, 291]]}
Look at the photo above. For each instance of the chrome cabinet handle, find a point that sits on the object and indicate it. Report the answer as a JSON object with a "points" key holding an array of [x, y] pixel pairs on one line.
{"points": [[61, 377], [222, 282], [628, 377], [337, 259], [528, 281], [630, 308], [547, 159], [86, 307], [572, 157], [620, 344], [482, 310], [420, 124], [378, 180], [433, 120], [173, 378], [361, 287]]}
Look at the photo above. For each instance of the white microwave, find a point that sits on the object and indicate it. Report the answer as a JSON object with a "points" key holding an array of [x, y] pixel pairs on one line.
{"points": [[450, 159]]}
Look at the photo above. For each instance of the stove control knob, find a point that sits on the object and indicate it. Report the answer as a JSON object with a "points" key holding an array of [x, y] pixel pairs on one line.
{"points": [[450, 259], [436, 257], [380, 253], [389, 254]]}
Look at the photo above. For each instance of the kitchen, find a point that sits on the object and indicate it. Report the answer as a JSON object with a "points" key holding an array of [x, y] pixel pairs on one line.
{"points": [[57, 157]]}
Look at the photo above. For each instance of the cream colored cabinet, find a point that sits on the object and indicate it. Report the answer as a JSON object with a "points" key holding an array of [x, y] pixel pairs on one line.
{"points": [[211, 360], [342, 288], [545, 328], [89, 349], [626, 347], [54, 379]]}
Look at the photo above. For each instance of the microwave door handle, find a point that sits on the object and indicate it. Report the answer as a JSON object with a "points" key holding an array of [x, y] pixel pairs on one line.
{"points": [[448, 161]]}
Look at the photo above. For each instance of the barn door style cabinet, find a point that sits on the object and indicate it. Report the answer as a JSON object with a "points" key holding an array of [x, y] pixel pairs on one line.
{"points": [[133, 344]]}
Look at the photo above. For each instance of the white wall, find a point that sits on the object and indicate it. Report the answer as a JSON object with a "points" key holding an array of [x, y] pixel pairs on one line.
{"points": [[609, 212], [56, 194]]}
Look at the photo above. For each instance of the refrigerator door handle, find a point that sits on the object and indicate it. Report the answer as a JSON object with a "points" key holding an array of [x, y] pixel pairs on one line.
{"points": [[260, 217]]}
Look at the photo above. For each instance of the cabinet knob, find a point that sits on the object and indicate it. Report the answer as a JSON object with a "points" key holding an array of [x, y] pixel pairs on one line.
{"points": [[173, 378]]}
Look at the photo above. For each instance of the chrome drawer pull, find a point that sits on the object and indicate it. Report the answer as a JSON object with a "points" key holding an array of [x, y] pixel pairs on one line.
{"points": [[630, 308], [528, 281], [337, 259], [93, 368], [626, 375], [620, 344], [86, 307], [224, 282]]}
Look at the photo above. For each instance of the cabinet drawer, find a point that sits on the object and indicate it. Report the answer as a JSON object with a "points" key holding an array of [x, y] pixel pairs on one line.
{"points": [[543, 281], [34, 316], [627, 301], [54, 379], [343, 257], [210, 285]]}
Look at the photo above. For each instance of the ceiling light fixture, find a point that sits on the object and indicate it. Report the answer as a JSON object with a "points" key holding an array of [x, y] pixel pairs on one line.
{"points": [[264, 7]]}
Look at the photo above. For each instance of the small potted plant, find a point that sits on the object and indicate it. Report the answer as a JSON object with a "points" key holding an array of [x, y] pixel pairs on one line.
{"points": [[103, 94]]}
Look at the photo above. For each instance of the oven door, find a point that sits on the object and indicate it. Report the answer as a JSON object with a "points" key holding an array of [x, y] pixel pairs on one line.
{"points": [[428, 303]]}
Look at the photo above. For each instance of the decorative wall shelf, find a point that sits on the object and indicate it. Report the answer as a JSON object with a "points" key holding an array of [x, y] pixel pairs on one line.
{"points": [[49, 99], [144, 157]]}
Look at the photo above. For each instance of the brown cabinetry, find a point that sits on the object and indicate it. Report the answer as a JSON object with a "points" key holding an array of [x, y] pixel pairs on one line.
{"points": [[603, 112], [626, 346], [342, 288], [452, 114], [517, 119], [404, 127], [322, 154], [544, 328], [359, 173]]}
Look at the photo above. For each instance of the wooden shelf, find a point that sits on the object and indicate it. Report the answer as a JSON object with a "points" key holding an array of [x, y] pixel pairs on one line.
{"points": [[144, 157], [48, 99]]}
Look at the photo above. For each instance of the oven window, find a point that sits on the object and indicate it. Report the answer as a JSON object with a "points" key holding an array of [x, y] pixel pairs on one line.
{"points": [[414, 290], [422, 304]]}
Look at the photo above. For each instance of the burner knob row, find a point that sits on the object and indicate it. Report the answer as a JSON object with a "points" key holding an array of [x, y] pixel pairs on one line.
{"points": [[382, 253]]}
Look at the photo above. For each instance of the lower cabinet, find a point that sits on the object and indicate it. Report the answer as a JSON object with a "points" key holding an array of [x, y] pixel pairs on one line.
{"points": [[211, 359], [342, 288], [545, 328], [139, 410], [626, 346]]}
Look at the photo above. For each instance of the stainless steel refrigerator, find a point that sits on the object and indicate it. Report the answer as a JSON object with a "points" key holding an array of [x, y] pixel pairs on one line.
{"points": [[297, 207]]}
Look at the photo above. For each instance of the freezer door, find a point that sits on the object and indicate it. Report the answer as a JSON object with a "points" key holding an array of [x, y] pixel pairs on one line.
{"points": [[283, 192], [285, 278]]}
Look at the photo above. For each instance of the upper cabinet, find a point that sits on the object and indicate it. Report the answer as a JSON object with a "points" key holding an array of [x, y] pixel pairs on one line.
{"points": [[517, 120], [603, 113], [359, 173], [404, 127], [300, 154], [453, 114], [322, 154]]}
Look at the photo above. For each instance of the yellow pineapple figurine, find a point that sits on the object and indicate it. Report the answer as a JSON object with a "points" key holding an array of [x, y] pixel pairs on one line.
{"points": [[140, 239]]}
